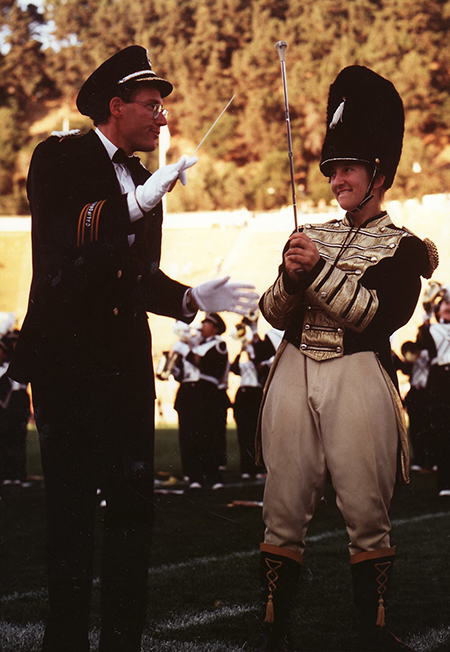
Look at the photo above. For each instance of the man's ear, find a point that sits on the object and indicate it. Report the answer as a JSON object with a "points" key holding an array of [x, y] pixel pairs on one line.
{"points": [[116, 106]]}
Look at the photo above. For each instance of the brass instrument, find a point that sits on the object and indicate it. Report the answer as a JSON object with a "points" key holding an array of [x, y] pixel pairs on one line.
{"points": [[242, 331], [169, 359]]}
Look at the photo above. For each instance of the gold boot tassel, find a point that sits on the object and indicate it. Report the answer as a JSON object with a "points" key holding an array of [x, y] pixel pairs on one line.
{"points": [[272, 578], [382, 580], [381, 622], [270, 616]]}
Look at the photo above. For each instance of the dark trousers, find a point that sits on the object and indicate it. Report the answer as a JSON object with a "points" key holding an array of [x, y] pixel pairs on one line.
{"points": [[187, 408], [14, 430], [439, 391], [246, 410], [223, 404], [97, 433], [422, 440], [202, 429]]}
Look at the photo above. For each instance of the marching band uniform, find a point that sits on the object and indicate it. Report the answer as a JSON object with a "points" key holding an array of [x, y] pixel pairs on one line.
{"points": [[185, 404], [253, 373], [417, 402], [331, 401], [435, 338], [85, 346], [210, 357]]}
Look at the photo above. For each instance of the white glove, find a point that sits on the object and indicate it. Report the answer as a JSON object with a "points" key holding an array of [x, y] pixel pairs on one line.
{"points": [[160, 182], [181, 347], [219, 295]]}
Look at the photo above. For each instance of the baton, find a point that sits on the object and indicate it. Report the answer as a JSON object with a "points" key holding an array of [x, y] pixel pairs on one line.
{"points": [[213, 125], [207, 134], [281, 47]]}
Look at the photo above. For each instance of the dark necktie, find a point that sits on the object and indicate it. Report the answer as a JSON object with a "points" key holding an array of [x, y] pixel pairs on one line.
{"points": [[138, 173]]}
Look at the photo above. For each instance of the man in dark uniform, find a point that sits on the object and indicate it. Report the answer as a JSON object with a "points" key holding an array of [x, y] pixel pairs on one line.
{"points": [[85, 345]]}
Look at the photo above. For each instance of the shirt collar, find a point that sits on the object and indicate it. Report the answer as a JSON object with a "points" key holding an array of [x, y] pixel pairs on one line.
{"points": [[108, 145]]}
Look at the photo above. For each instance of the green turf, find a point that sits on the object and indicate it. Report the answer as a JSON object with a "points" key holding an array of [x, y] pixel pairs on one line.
{"points": [[204, 571]]}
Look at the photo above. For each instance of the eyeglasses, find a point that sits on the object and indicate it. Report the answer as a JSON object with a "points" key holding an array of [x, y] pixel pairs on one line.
{"points": [[155, 109]]}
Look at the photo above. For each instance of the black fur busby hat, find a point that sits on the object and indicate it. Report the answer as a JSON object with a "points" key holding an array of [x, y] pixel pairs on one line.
{"points": [[365, 122], [126, 66], [217, 320]]}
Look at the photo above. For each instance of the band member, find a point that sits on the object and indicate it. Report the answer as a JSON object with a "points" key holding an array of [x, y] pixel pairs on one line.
{"points": [[85, 344], [185, 403], [252, 364], [210, 358], [331, 402], [434, 338]]}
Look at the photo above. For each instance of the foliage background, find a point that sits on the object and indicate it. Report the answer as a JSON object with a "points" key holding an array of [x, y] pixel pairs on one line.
{"points": [[211, 49]]}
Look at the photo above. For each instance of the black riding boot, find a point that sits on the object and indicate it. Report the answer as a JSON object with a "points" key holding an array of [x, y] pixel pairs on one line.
{"points": [[371, 579], [280, 570]]}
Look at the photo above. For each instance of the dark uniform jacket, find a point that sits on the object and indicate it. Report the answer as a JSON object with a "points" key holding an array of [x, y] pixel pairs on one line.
{"points": [[90, 290]]}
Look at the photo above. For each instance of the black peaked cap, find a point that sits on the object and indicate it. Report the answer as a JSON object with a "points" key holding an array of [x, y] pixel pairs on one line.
{"points": [[217, 320], [126, 66]]}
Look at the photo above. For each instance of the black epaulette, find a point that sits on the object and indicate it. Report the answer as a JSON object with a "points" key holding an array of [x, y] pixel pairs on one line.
{"points": [[432, 253]]}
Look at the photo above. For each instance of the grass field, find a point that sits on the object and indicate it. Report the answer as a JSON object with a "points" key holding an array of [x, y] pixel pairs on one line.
{"points": [[204, 572]]}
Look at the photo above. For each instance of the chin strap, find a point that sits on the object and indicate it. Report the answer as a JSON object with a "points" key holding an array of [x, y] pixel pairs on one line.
{"points": [[368, 196]]}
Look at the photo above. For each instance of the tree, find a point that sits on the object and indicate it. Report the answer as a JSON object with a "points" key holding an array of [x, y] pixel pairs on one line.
{"points": [[211, 49]]}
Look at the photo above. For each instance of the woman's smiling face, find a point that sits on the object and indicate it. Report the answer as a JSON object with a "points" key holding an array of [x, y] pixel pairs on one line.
{"points": [[349, 181]]}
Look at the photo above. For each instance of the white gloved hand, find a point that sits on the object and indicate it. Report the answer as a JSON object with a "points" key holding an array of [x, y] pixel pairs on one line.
{"points": [[154, 189], [220, 295]]}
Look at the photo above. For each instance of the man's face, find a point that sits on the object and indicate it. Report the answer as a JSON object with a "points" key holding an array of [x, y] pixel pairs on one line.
{"points": [[444, 311], [209, 329], [139, 130]]}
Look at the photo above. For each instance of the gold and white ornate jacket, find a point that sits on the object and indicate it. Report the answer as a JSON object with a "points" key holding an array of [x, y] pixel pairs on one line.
{"points": [[365, 286]]}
